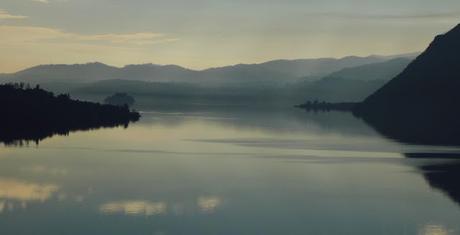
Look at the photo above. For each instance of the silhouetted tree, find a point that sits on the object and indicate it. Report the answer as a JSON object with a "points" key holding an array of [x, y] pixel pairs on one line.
{"points": [[120, 99], [324, 106], [33, 114]]}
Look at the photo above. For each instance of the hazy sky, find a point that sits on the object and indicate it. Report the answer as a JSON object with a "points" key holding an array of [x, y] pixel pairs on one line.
{"points": [[207, 33]]}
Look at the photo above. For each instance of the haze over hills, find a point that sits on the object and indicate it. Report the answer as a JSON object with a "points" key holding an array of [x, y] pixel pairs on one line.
{"points": [[349, 79], [278, 71], [329, 88], [324, 66], [376, 71], [335, 89], [424, 98]]}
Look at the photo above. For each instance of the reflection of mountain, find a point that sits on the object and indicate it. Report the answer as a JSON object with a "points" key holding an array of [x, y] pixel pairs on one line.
{"points": [[445, 178], [421, 104], [354, 84], [442, 176], [267, 119]]}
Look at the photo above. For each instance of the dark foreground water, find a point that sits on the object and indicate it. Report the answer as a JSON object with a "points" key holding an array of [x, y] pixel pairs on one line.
{"points": [[229, 171]]}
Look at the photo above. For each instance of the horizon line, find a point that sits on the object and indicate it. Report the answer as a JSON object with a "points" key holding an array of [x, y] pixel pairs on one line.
{"points": [[416, 53]]}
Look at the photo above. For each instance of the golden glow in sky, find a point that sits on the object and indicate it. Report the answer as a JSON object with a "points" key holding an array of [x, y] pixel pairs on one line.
{"points": [[204, 33]]}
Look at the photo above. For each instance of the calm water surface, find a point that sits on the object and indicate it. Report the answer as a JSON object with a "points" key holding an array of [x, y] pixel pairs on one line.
{"points": [[227, 171]]}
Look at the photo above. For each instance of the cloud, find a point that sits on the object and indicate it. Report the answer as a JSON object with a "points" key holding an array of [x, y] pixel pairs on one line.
{"points": [[28, 34], [5, 15], [427, 15], [42, 1], [49, 1], [134, 38]]}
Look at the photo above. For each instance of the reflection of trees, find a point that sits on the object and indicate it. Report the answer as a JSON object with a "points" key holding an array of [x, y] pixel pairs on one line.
{"points": [[263, 118], [120, 99], [16, 136], [317, 106]]}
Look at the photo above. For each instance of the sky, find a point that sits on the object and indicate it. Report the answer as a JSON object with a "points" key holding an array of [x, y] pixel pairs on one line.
{"points": [[209, 33]]}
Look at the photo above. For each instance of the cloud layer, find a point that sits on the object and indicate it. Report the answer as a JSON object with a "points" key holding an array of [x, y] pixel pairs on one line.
{"points": [[28, 34], [5, 15], [213, 32]]}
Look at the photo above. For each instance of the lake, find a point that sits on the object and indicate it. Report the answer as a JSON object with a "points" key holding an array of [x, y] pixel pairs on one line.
{"points": [[229, 170]]}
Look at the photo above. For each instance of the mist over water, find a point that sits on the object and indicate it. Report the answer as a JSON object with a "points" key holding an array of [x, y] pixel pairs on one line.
{"points": [[228, 170]]}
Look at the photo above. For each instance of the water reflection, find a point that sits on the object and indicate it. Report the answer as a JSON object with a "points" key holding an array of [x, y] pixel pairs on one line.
{"points": [[209, 204], [41, 169], [421, 130], [145, 208], [228, 172], [444, 176], [434, 229], [18, 190], [15, 135], [8, 206], [204, 204], [263, 118], [17, 194]]}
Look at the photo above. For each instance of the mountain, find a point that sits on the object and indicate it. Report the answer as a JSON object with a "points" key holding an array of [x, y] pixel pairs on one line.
{"points": [[352, 84], [331, 89], [281, 81], [179, 91], [277, 72], [156, 73], [421, 104], [64, 73], [288, 71], [319, 67], [376, 71], [138, 88], [243, 87], [240, 82], [92, 72]]}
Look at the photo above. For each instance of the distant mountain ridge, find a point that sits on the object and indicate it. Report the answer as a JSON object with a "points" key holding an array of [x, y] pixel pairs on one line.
{"points": [[377, 71], [325, 66], [278, 71], [353, 85]]}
